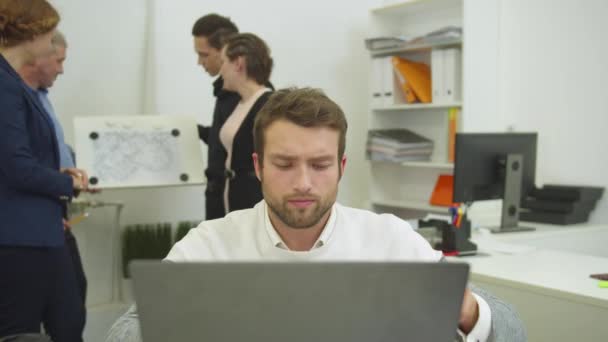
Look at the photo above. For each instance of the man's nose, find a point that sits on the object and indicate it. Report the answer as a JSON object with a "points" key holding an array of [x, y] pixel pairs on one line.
{"points": [[302, 181]]}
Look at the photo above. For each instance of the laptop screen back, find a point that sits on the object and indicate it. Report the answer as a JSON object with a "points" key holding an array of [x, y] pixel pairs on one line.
{"points": [[326, 301]]}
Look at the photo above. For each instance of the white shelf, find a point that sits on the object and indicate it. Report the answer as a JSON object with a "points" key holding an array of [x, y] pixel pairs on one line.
{"points": [[430, 165], [404, 7], [412, 205], [420, 164], [417, 106], [417, 47]]}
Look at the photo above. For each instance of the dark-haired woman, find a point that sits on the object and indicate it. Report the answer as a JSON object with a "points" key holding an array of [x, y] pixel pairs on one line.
{"points": [[246, 69]]}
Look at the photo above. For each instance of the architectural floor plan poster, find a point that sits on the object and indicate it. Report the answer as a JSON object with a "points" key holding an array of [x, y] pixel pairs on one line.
{"points": [[139, 151]]}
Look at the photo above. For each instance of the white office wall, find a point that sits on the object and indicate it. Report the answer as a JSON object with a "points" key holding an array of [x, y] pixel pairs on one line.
{"points": [[314, 43], [550, 69], [105, 74], [480, 66], [103, 71], [554, 70], [137, 57]]}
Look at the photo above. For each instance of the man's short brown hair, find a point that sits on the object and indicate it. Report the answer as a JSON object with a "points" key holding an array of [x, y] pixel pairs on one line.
{"points": [[306, 107], [215, 28]]}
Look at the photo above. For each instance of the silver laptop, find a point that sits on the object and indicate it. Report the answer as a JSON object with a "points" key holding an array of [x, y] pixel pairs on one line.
{"points": [[292, 302]]}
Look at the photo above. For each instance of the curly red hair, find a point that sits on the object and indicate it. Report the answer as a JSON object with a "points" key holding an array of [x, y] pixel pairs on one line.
{"points": [[23, 20]]}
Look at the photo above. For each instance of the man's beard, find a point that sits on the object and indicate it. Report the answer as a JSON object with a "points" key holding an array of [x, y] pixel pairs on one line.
{"points": [[297, 217]]}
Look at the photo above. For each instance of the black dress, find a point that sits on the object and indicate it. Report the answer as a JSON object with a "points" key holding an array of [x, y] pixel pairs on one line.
{"points": [[225, 103], [245, 190]]}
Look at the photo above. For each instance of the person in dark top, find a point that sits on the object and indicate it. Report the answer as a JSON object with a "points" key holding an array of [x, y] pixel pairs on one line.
{"points": [[37, 280], [246, 68], [209, 33]]}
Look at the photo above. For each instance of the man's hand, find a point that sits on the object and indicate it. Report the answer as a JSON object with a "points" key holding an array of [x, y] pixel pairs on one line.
{"points": [[80, 178], [469, 313], [66, 225]]}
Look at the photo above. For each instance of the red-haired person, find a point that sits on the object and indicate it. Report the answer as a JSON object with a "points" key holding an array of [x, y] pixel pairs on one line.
{"points": [[37, 282]]}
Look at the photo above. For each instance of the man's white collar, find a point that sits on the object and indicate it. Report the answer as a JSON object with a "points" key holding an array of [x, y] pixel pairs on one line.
{"points": [[321, 241]]}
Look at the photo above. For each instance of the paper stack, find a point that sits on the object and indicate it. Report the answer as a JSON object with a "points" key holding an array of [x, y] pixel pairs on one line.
{"points": [[385, 42], [443, 35], [398, 145]]}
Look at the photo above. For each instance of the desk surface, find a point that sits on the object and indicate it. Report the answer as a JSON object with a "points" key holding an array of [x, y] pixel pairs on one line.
{"points": [[537, 262]]}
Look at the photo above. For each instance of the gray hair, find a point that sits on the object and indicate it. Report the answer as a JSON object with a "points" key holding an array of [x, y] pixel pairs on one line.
{"points": [[59, 39]]}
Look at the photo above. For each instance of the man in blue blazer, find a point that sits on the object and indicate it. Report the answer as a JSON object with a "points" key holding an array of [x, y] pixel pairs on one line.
{"points": [[40, 76]]}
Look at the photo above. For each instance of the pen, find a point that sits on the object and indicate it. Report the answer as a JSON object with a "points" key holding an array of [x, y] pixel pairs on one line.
{"points": [[77, 219]]}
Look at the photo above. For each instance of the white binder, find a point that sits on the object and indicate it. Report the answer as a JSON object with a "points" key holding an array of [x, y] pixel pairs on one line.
{"points": [[452, 64], [438, 76], [388, 80], [377, 83]]}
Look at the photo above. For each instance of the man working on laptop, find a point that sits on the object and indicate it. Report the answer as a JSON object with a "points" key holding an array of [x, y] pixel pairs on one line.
{"points": [[299, 139]]}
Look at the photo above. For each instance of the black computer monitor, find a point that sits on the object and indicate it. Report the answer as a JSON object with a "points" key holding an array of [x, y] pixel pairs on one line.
{"points": [[493, 166]]}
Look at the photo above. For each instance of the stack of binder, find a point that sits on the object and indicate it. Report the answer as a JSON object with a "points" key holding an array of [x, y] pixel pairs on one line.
{"points": [[446, 66], [398, 80], [383, 82], [398, 145], [560, 204]]}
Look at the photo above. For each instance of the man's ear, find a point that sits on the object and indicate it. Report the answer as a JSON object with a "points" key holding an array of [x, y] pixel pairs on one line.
{"points": [[342, 165], [241, 63], [257, 166]]}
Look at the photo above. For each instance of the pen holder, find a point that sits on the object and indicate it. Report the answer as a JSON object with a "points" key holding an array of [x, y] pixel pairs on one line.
{"points": [[455, 240]]}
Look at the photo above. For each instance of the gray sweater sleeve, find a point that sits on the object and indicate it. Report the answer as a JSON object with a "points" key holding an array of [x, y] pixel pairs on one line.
{"points": [[506, 324], [126, 328]]}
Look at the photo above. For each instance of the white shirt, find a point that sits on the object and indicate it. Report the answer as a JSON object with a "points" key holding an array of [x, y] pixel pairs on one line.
{"points": [[350, 234]]}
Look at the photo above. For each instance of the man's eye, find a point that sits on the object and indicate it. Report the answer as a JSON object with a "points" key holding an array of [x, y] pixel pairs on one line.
{"points": [[320, 166], [283, 166]]}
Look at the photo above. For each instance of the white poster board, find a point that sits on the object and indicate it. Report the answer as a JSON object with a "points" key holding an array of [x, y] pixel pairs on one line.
{"points": [[139, 151]]}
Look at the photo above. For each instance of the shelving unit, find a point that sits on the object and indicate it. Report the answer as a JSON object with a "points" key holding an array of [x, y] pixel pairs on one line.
{"points": [[405, 188]]}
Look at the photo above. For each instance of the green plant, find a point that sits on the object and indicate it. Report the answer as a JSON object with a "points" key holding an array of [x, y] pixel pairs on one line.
{"points": [[149, 241]]}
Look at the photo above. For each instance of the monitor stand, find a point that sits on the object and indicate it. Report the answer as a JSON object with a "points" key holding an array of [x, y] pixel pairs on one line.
{"points": [[509, 221]]}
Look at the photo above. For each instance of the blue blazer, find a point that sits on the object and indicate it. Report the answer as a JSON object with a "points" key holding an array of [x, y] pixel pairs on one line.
{"points": [[31, 186]]}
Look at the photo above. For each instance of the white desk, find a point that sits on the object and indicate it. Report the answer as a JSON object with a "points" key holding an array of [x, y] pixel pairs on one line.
{"points": [[545, 275]]}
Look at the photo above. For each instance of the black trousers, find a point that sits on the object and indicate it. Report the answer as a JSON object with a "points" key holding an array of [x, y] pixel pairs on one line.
{"points": [[38, 285], [81, 280], [214, 199]]}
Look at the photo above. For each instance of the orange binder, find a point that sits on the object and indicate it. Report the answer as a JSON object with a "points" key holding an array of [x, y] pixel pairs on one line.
{"points": [[452, 129], [444, 191], [410, 96], [406, 88], [417, 76]]}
